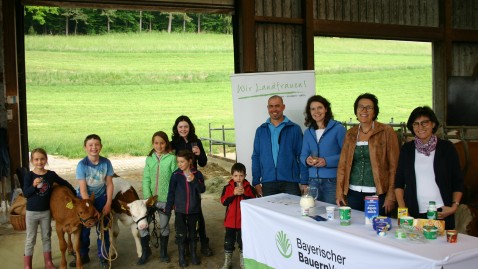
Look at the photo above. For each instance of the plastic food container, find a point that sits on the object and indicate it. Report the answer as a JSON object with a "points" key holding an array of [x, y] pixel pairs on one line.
{"points": [[430, 232]]}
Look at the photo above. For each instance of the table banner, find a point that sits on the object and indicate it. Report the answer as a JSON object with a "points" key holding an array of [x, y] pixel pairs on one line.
{"points": [[275, 235]]}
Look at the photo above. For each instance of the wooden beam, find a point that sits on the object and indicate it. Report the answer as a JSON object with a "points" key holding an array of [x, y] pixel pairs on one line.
{"points": [[378, 31], [21, 82], [196, 6], [308, 35], [277, 20], [447, 11], [11, 84], [248, 35], [462, 35]]}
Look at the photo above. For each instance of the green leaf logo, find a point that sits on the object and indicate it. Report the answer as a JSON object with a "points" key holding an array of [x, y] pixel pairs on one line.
{"points": [[283, 244]]}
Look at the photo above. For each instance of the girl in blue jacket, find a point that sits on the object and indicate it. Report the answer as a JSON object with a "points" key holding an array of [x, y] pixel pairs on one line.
{"points": [[184, 197]]}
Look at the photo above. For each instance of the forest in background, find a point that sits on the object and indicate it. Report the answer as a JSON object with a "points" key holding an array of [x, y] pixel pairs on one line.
{"points": [[82, 21]]}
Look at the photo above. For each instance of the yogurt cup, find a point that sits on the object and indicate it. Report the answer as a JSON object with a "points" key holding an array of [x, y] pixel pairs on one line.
{"points": [[345, 215], [451, 236], [330, 212], [382, 228], [406, 220], [430, 232]]}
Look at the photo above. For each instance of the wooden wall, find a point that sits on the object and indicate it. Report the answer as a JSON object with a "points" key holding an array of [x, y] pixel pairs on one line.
{"points": [[464, 58], [3, 111], [279, 35], [465, 14], [400, 12], [280, 41]]}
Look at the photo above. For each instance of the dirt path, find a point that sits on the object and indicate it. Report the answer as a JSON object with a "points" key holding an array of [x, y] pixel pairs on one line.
{"points": [[130, 168]]}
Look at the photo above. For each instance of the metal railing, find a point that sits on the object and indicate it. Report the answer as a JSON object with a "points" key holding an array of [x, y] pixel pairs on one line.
{"points": [[400, 129], [222, 142], [463, 133]]}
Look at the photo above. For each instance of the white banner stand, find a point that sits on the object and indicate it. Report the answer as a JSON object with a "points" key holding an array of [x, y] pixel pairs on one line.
{"points": [[250, 93]]}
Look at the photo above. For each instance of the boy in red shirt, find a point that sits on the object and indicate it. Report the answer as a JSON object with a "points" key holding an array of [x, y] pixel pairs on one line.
{"points": [[234, 192]]}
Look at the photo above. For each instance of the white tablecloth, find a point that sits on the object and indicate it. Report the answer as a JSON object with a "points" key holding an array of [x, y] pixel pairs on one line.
{"points": [[275, 235]]}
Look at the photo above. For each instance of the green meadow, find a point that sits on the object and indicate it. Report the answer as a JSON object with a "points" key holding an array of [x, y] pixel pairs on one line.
{"points": [[125, 87]]}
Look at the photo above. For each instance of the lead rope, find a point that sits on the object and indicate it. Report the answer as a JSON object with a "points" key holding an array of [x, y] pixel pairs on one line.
{"points": [[156, 227], [102, 236]]}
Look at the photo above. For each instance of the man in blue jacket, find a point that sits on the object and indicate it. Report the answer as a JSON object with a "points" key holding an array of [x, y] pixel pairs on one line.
{"points": [[276, 166]]}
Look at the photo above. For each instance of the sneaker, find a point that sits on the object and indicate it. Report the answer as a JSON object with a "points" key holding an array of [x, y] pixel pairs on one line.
{"points": [[104, 263], [84, 260]]}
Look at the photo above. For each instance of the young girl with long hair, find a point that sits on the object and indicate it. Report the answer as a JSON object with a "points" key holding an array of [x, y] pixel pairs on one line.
{"points": [[37, 189], [184, 197], [160, 165], [184, 137]]}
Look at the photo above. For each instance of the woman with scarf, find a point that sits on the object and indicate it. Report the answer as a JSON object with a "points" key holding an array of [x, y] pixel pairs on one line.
{"points": [[428, 170]]}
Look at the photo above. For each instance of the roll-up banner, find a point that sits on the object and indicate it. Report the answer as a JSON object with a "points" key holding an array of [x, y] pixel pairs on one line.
{"points": [[250, 93]]}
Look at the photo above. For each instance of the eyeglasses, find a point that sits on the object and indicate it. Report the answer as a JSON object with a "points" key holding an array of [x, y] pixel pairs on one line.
{"points": [[361, 107], [423, 123]]}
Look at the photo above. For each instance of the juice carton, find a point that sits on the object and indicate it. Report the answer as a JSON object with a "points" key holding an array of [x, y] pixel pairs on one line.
{"points": [[371, 208]]}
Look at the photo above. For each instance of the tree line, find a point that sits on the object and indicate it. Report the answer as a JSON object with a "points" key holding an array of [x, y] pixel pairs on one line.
{"points": [[74, 21]]}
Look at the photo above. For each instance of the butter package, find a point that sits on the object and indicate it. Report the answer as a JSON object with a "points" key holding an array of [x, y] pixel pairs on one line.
{"points": [[401, 212], [371, 208], [440, 224], [381, 219]]}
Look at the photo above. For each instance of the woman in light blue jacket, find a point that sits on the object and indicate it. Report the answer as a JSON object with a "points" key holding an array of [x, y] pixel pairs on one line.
{"points": [[321, 147]]}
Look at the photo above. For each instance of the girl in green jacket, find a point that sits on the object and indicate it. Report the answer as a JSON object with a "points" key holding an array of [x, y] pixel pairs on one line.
{"points": [[160, 165]]}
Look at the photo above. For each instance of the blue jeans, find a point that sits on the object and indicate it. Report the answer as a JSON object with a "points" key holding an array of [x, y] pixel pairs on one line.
{"points": [[356, 200], [99, 203], [270, 188], [325, 188]]}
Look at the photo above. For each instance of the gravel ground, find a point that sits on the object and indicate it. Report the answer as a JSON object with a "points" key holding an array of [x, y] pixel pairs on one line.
{"points": [[130, 168]]}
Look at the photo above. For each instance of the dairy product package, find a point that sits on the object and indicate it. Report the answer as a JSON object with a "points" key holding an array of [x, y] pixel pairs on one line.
{"points": [[371, 208]]}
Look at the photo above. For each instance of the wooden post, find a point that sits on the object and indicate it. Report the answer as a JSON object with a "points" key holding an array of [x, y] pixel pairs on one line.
{"points": [[223, 139], [210, 137], [10, 14]]}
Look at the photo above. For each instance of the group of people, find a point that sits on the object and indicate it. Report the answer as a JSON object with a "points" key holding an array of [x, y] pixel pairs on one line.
{"points": [[344, 166], [170, 173], [94, 175], [177, 182]]}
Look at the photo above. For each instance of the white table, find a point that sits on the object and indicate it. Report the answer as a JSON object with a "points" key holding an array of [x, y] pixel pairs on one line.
{"points": [[307, 243]]}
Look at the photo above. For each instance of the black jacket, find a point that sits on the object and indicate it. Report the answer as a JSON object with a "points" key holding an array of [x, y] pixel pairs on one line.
{"points": [[448, 175], [181, 145], [38, 199]]}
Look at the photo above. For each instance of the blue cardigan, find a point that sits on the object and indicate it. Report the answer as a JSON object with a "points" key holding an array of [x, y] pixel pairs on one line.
{"points": [[328, 147], [289, 168]]}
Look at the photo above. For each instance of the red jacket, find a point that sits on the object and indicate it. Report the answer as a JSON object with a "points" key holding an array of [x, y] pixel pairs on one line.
{"points": [[233, 203]]}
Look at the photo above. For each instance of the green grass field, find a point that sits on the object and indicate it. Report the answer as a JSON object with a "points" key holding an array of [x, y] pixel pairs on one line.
{"points": [[125, 87]]}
